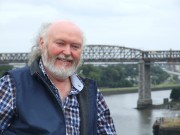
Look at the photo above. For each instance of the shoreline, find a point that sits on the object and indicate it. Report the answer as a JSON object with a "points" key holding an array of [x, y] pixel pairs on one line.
{"points": [[129, 90]]}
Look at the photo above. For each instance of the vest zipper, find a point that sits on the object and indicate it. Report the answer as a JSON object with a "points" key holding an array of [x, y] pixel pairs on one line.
{"points": [[58, 100]]}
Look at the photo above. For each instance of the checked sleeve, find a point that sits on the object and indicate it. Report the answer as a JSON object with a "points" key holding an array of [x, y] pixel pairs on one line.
{"points": [[7, 101]]}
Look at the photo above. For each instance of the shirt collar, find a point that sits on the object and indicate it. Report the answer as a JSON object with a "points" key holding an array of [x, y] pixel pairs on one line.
{"points": [[75, 80]]}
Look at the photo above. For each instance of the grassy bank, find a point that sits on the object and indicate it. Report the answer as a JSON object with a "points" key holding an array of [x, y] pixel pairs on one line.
{"points": [[123, 90], [170, 122]]}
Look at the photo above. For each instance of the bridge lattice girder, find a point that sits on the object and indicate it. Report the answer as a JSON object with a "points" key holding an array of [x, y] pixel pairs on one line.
{"points": [[106, 53]]}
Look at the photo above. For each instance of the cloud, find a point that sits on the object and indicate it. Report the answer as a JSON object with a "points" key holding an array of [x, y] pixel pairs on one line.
{"points": [[14, 10], [140, 24]]}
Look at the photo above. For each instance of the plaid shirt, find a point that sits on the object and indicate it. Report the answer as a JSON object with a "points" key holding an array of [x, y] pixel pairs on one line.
{"points": [[71, 107]]}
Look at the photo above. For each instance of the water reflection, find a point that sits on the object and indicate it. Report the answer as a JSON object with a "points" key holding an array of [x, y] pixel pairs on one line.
{"points": [[144, 122], [130, 121]]}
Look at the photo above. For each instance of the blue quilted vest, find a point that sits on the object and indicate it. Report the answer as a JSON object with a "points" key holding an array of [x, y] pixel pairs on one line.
{"points": [[39, 111]]}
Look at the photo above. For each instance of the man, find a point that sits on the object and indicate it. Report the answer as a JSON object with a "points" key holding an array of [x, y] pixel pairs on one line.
{"points": [[48, 97]]}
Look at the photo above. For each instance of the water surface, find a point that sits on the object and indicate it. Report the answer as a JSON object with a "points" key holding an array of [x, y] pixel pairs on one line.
{"points": [[130, 121]]}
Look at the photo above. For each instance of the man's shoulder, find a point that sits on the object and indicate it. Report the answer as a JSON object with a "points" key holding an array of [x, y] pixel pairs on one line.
{"points": [[22, 69], [86, 79], [18, 71]]}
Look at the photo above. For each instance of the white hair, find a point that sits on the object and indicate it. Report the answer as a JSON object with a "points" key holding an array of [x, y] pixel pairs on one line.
{"points": [[35, 50]]}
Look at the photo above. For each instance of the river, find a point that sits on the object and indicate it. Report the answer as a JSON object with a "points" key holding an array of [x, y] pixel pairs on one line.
{"points": [[130, 121]]}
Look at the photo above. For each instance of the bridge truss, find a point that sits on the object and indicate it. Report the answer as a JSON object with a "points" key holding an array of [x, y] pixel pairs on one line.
{"points": [[106, 54]]}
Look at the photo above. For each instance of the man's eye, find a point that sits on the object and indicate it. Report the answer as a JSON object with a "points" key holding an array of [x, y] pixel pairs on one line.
{"points": [[60, 43], [76, 46]]}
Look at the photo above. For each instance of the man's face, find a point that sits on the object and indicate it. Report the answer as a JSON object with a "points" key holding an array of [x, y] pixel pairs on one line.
{"points": [[61, 51]]}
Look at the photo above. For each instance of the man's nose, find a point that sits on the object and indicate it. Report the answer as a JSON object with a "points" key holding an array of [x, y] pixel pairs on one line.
{"points": [[67, 50]]}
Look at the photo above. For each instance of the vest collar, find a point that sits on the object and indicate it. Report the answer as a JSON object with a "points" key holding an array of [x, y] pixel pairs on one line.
{"points": [[75, 80]]}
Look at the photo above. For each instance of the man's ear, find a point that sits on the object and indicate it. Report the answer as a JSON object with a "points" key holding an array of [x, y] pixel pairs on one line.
{"points": [[41, 43]]}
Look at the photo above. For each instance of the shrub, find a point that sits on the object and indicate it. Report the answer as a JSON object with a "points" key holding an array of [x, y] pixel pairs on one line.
{"points": [[5, 68], [175, 94]]}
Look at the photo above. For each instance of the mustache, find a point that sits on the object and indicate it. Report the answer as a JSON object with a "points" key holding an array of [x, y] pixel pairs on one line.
{"points": [[66, 58]]}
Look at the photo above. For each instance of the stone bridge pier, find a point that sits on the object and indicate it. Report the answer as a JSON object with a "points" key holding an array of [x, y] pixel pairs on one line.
{"points": [[144, 99]]}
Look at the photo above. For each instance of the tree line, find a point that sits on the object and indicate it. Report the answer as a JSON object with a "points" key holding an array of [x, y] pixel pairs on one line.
{"points": [[113, 76]]}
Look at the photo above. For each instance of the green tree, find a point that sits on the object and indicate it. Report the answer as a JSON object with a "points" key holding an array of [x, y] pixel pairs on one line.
{"points": [[158, 75], [113, 76], [175, 94], [5, 68], [89, 71]]}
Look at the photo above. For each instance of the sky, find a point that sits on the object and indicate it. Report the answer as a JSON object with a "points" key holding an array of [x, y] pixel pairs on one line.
{"points": [[139, 24]]}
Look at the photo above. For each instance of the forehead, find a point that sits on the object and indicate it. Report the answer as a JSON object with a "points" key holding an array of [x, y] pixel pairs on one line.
{"points": [[65, 28]]}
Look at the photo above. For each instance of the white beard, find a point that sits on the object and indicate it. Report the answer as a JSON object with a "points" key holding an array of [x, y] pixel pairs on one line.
{"points": [[62, 72]]}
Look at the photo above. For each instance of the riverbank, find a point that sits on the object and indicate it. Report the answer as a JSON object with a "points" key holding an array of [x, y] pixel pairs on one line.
{"points": [[125, 90], [167, 126]]}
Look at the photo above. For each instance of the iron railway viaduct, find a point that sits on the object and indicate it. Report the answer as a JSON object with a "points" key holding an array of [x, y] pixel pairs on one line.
{"points": [[109, 54]]}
